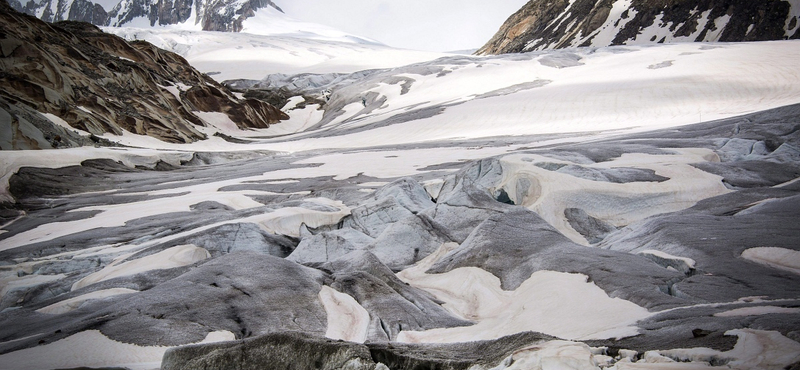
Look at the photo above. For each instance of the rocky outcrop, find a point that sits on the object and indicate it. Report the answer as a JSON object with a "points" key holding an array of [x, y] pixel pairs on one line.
{"points": [[99, 83], [540, 25]]}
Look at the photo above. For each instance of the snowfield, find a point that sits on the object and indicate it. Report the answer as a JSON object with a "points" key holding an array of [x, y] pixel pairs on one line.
{"points": [[615, 195]]}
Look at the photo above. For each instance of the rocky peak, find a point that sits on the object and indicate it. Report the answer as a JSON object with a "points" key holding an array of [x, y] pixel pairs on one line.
{"points": [[210, 15], [99, 83], [555, 24]]}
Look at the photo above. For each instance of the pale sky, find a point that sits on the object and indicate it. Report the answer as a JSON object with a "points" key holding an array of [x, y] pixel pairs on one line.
{"points": [[433, 25]]}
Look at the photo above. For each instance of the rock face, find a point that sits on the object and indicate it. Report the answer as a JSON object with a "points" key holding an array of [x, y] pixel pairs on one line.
{"points": [[99, 83], [225, 16], [541, 25]]}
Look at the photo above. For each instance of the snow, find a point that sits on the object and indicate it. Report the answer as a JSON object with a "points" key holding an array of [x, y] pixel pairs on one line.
{"points": [[538, 304], [687, 261], [58, 121], [794, 13], [254, 56], [606, 33], [550, 193], [12, 160], [220, 121], [758, 310], [614, 88], [719, 25], [74, 303], [271, 22], [93, 349], [755, 349], [173, 90], [177, 256], [347, 319], [779, 258], [556, 354]]}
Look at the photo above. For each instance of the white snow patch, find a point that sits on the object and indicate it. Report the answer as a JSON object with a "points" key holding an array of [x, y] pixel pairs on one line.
{"points": [[220, 121], [347, 319], [755, 349], [719, 25], [779, 258], [551, 192], [299, 119], [58, 121], [758, 310], [538, 304], [555, 355], [794, 13], [74, 303], [177, 256], [93, 349], [174, 90], [606, 33], [687, 261]]}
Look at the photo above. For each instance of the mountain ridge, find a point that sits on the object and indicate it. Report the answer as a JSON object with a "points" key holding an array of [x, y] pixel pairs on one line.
{"points": [[561, 23], [225, 16]]}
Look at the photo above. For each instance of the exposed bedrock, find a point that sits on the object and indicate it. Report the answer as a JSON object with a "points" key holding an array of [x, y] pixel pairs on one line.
{"points": [[563, 24], [87, 80]]}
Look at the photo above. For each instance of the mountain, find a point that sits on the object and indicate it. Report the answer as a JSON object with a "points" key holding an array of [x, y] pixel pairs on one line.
{"points": [[556, 24], [597, 208], [70, 75], [208, 15], [62, 10]]}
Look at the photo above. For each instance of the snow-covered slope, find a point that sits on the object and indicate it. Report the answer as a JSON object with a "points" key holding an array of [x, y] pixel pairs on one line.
{"points": [[274, 47], [577, 91]]}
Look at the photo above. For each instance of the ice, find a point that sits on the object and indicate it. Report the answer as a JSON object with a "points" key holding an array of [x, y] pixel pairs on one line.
{"points": [[779, 258], [177, 256], [70, 304], [347, 320], [755, 349], [538, 304], [93, 349], [758, 310], [550, 193], [9, 283]]}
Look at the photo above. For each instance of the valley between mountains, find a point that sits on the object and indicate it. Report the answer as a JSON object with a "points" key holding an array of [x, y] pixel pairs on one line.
{"points": [[173, 198]]}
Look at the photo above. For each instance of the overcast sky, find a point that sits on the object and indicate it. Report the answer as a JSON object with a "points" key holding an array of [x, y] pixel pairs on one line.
{"points": [[433, 25]]}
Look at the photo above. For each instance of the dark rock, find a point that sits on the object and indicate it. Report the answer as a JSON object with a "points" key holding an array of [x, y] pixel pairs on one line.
{"points": [[697, 333], [99, 83], [563, 24]]}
